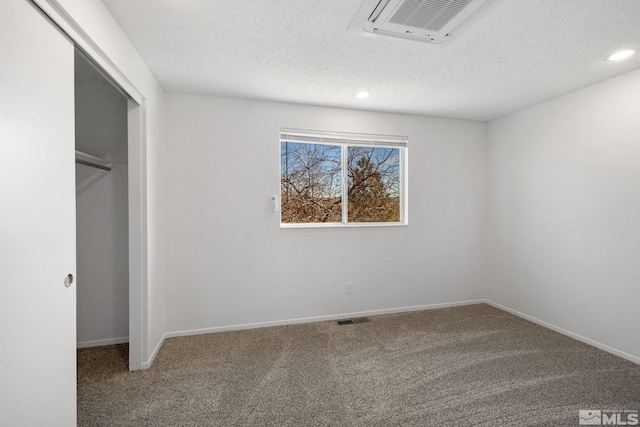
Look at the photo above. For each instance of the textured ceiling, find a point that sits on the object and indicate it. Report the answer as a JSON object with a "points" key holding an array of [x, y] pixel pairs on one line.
{"points": [[521, 53]]}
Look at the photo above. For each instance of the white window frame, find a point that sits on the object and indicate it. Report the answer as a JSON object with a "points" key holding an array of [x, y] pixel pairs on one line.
{"points": [[346, 140]]}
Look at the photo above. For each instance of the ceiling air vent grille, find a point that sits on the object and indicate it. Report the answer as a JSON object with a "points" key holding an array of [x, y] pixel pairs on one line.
{"points": [[428, 15], [430, 21]]}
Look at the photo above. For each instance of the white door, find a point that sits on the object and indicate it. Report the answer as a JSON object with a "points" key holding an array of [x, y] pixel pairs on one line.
{"points": [[37, 221]]}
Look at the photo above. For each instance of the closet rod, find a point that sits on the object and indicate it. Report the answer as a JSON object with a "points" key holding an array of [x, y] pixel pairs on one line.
{"points": [[93, 161]]}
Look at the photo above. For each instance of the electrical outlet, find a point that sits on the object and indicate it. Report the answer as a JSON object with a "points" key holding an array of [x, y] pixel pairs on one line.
{"points": [[348, 288]]}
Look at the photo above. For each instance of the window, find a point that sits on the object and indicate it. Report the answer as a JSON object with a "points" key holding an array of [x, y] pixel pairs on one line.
{"points": [[342, 179]]}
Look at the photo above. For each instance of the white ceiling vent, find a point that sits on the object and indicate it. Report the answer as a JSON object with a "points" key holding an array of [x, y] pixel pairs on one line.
{"points": [[429, 21]]}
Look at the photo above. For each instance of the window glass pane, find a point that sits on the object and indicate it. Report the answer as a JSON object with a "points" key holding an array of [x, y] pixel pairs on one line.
{"points": [[310, 183], [373, 184]]}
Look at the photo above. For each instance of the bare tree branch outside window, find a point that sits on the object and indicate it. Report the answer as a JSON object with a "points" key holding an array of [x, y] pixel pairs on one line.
{"points": [[374, 184], [311, 183]]}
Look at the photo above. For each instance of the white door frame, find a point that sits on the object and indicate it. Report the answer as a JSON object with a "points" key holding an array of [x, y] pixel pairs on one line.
{"points": [[137, 172], [137, 176]]}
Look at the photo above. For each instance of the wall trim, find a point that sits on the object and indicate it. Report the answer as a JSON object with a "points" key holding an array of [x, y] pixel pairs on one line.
{"points": [[190, 332], [65, 21], [604, 347], [148, 363], [542, 323], [317, 318], [100, 343]]}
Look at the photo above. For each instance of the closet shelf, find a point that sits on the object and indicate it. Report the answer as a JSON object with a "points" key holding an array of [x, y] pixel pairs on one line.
{"points": [[93, 161]]}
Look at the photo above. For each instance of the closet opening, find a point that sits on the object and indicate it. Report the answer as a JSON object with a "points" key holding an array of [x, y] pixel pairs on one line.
{"points": [[102, 128]]}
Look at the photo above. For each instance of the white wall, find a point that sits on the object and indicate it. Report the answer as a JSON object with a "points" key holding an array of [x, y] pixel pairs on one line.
{"points": [[96, 21], [229, 263], [103, 258], [564, 212]]}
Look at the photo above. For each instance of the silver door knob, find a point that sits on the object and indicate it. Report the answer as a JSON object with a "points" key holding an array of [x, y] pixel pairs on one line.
{"points": [[68, 280]]}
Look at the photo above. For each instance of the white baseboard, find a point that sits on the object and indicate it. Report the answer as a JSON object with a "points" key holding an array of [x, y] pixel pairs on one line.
{"points": [[147, 364], [100, 343], [573, 335], [317, 319], [238, 327]]}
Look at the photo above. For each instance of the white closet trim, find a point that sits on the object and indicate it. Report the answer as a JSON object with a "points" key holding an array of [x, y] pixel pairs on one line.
{"points": [[62, 19]]}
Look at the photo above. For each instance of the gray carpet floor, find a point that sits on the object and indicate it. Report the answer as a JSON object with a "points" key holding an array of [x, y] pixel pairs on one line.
{"points": [[464, 366]]}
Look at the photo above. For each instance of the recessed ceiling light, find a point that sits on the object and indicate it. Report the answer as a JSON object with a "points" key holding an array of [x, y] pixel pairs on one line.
{"points": [[363, 94], [623, 54]]}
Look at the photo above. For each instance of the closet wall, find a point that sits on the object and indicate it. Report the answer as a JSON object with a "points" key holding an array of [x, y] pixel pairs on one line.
{"points": [[101, 210]]}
